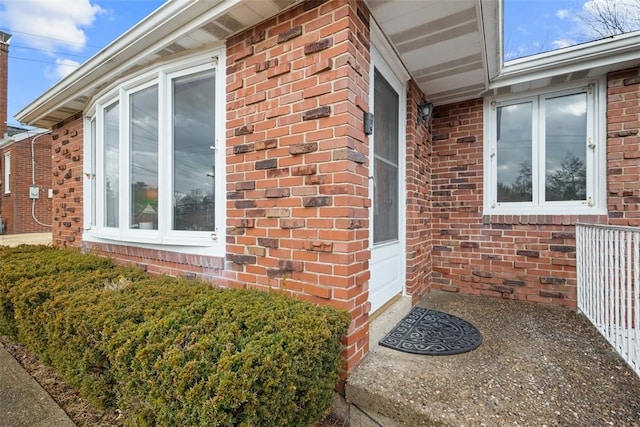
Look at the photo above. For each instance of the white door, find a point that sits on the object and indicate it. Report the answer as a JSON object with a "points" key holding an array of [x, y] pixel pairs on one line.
{"points": [[387, 169]]}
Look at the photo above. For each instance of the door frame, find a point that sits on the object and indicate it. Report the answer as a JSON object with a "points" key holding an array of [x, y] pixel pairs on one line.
{"points": [[388, 70]]}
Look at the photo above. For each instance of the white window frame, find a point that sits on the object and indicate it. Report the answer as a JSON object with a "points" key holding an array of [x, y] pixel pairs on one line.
{"points": [[7, 173], [595, 159], [164, 238]]}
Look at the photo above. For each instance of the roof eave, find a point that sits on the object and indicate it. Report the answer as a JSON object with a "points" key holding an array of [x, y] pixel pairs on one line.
{"points": [[132, 43], [601, 53]]}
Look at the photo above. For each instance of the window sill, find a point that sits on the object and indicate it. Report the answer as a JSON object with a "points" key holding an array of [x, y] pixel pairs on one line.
{"points": [[551, 219], [198, 246]]}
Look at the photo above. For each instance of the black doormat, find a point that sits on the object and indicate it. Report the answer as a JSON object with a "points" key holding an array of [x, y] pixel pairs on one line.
{"points": [[434, 333]]}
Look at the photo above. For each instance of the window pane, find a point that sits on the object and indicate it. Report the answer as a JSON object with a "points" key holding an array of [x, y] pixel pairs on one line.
{"points": [[193, 161], [111, 152], [386, 124], [514, 153], [566, 147], [7, 172], [144, 158], [386, 203], [93, 171]]}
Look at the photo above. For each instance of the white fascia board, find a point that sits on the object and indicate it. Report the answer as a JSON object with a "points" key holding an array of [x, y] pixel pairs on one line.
{"points": [[600, 53], [22, 136], [490, 16], [135, 42], [5, 142]]}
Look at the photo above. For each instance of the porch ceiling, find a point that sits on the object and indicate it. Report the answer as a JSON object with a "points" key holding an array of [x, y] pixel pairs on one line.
{"points": [[441, 42]]}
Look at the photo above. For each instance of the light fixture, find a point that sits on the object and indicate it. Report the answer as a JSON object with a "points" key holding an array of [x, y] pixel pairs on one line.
{"points": [[424, 112]]}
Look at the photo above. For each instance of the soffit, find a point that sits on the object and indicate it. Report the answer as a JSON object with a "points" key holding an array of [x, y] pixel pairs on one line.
{"points": [[440, 42]]}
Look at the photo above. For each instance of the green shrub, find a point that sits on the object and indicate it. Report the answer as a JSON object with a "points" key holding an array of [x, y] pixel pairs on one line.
{"points": [[169, 351]]}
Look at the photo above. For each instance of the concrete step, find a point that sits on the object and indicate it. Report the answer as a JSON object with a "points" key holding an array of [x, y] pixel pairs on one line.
{"points": [[369, 402]]}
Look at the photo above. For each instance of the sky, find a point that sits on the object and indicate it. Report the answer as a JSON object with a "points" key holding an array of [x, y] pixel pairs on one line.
{"points": [[534, 26], [52, 37]]}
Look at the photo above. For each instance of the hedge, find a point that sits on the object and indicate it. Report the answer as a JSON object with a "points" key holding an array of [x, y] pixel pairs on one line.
{"points": [[168, 351]]}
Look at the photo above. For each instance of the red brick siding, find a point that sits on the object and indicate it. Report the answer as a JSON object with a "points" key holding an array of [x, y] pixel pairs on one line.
{"points": [[623, 147], [297, 186], [16, 207], [67, 182], [418, 212], [4, 81], [525, 257]]}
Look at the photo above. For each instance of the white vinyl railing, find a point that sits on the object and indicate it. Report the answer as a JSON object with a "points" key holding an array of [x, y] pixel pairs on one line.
{"points": [[608, 264]]}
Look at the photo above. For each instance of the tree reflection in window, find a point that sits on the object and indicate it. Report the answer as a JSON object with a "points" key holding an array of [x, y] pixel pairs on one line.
{"points": [[193, 160], [143, 128]]}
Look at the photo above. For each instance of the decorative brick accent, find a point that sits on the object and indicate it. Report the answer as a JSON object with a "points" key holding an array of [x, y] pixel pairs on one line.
{"points": [[262, 66], [267, 164], [290, 34], [265, 145], [241, 259], [304, 170], [534, 254], [303, 148], [258, 37], [243, 130], [269, 243], [312, 4], [318, 246], [466, 140], [245, 185], [277, 192], [317, 46], [316, 201], [349, 154], [292, 223], [317, 113], [243, 148]]}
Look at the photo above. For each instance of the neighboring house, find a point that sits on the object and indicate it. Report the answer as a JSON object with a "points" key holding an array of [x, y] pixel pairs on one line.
{"points": [[25, 167], [231, 141], [25, 182]]}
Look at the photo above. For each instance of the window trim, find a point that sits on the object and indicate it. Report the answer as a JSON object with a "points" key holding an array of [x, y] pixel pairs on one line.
{"points": [[7, 172], [595, 161], [200, 242]]}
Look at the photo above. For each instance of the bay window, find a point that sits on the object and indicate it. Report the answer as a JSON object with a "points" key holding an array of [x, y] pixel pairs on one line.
{"points": [[153, 146], [544, 153]]}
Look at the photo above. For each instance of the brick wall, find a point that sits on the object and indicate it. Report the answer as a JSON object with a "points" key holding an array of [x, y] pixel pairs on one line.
{"points": [[623, 147], [297, 209], [524, 257], [297, 86], [4, 88], [16, 207], [66, 171], [418, 184]]}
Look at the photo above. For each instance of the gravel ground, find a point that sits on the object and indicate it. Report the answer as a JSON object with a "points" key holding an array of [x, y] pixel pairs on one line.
{"points": [[537, 366]]}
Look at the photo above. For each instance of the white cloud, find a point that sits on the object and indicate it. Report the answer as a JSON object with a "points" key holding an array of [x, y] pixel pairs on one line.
{"points": [[62, 69], [562, 13], [522, 30], [560, 43], [50, 24]]}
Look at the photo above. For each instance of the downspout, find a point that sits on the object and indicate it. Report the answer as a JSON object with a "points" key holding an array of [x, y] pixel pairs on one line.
{"points": [[33, 179]]}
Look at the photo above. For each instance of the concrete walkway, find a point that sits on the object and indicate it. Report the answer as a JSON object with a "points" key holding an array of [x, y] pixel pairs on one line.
{"points": [[23, 402], [536, 366], [25, 239]]}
